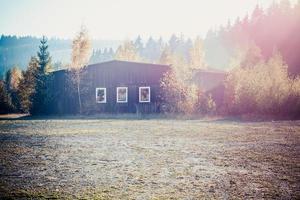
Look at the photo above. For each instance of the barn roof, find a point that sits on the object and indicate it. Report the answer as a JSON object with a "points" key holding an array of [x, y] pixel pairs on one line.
{"points": [[122, 63], [127, 63]]}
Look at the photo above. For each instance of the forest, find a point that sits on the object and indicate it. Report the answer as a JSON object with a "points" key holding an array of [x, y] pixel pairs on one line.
{"points": [[259, 55], [17, 51]]}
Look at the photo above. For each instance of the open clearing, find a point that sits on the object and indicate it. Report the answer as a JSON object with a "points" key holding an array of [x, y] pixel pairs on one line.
{"points": [[149, 159]]}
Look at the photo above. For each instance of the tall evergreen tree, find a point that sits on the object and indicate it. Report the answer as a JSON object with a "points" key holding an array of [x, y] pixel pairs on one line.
{"points": [[139, 45], [173, 42], [42, 95], [5, 100], [152, 50], [44, 56]]}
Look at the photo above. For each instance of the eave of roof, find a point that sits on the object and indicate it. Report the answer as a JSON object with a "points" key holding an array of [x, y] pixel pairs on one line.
{"points": [[128, 62], [118, 61], [216, 71]]}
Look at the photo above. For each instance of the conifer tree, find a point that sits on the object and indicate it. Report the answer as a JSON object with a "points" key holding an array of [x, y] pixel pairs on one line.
{"points": [[5, 100], [44, 56], [139, 45], [42, 95]]}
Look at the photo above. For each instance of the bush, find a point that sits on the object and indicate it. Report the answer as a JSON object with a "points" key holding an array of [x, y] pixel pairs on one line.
{"points": [[265, 88], [177, 95], [185, 97]]}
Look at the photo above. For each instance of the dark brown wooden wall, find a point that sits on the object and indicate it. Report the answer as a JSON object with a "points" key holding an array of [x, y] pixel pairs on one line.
{"points": [[110, 75]]}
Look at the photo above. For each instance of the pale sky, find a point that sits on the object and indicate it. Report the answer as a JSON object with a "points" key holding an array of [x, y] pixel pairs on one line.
{"points": [[120, 19]]}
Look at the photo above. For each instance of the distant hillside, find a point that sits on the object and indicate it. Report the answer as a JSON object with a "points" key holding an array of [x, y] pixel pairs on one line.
{"points": [[18, 50]]}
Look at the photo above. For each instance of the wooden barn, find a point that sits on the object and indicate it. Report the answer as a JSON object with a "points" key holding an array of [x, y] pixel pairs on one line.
{"points": [[113, 86], [119, 87]]}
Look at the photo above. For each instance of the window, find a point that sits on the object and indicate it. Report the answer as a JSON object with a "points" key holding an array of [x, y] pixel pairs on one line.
{"points": [[144, 94], [101, 95], [122, 94]]}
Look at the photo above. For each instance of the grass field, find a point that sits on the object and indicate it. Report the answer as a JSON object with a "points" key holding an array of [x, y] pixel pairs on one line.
{"points": [[149, 159]]}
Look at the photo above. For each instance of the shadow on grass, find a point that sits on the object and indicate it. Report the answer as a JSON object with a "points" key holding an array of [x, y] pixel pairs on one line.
{"points": [[156, 116], [115, 116]]}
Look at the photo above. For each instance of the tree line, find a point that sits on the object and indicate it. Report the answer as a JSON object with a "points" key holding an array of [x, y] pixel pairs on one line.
{"points": [[259, 55], [221, 44], [30, 91], [17, 51], [26, 91]]}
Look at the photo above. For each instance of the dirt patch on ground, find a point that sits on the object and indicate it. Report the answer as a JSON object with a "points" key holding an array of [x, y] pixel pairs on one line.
{"points": [[149, 159]]}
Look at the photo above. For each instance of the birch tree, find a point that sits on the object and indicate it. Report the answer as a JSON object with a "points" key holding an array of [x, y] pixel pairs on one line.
{"points": [[179, 92], [13, 77], [81, 50], [197, 56]]}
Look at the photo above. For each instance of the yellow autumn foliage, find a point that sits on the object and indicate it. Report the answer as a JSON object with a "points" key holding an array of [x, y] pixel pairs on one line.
{"points": [[264, 88]]}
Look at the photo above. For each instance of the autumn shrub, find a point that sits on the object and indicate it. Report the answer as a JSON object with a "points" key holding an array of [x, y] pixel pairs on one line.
{"points": [[178, 96], [12, 82], [265, 88], [180, 93], [185, 98]]}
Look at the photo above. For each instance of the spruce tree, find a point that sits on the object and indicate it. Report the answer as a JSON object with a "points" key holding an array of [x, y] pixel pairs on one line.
{"points": [[42, 96], [44, 56]]}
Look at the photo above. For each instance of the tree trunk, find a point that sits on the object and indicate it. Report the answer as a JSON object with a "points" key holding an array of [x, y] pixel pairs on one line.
{"points": [[78, 92]]}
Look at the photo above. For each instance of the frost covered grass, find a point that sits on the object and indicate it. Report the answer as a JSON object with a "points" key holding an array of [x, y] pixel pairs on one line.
{"points": [[149, 159]]}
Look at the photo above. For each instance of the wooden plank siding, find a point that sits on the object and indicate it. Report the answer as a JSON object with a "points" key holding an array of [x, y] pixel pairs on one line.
{"points": [[110, 75]]}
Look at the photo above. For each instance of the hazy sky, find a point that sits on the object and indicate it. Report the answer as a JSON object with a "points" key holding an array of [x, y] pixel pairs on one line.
{"points": [[120, 19]]}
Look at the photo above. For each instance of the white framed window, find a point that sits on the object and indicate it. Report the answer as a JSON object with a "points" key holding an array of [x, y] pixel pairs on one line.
{"points": [[144, 94], [101, 95], [122, 94]]}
